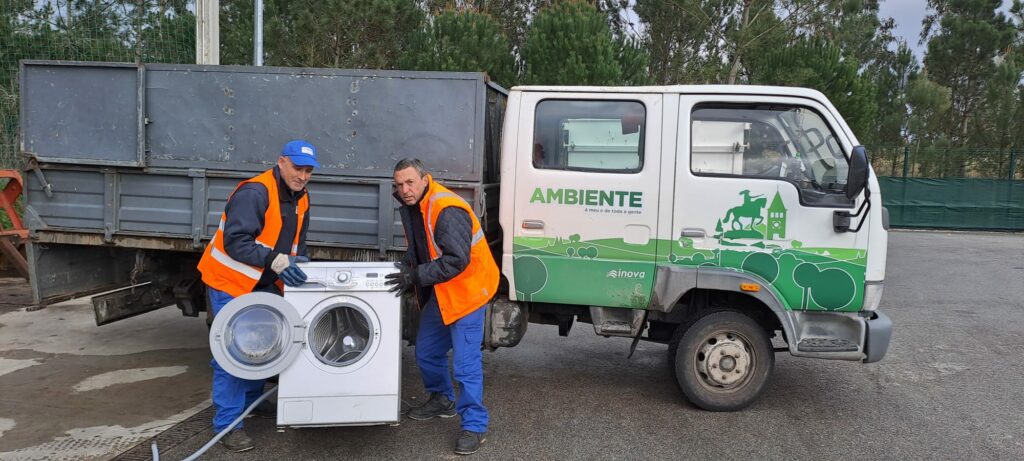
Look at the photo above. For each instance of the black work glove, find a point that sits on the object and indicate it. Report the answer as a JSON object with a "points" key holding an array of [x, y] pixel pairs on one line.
{"points": [[402, 281]]}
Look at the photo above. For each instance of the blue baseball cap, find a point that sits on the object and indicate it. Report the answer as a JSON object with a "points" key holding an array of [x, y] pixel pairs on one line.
{"points": [[301, 153]]}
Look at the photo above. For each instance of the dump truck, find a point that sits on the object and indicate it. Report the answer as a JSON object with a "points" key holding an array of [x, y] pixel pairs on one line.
{"points": [[728, 222]]}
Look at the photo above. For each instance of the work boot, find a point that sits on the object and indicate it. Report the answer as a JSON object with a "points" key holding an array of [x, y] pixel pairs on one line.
{"points": [[437, 406], [265, 409], [237, 441], [469, 442]]}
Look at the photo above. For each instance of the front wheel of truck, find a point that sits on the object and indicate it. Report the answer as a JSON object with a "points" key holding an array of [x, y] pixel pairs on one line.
{"points": [[722, 360]]}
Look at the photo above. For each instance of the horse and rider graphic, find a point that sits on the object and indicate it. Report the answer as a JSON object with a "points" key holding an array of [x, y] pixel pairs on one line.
{"points": [[745, 221], [750, 209]]}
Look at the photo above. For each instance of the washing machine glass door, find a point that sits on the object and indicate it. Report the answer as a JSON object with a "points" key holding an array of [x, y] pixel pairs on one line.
{"points": [[256, 336]]}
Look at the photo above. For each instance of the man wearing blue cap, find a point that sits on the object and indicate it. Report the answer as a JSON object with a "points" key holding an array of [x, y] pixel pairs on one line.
{"points": [[261, 238]]}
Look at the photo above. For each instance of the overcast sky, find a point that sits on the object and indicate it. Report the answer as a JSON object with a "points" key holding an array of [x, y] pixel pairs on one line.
{"points": [[908, 15]]}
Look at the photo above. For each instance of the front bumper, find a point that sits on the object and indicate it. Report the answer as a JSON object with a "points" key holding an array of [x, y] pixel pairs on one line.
{"points": [[877, 336]]}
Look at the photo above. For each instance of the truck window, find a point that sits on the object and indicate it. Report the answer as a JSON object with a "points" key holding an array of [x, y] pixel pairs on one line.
{"points": [[786, 143], [589, 135]]}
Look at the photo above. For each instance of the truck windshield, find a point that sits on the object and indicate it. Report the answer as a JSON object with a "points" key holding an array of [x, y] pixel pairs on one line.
{"points": [[789, 143]]}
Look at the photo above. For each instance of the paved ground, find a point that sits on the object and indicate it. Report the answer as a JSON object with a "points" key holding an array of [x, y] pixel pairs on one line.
{"points": [[951, 387], [72, 390]]}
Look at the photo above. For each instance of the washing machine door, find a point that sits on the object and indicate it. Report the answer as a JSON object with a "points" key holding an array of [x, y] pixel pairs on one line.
{"points": [[257, 335]]}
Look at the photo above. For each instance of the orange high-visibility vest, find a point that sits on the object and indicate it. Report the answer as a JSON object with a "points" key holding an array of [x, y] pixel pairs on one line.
{"points": [[475, 285], [236, 278]]}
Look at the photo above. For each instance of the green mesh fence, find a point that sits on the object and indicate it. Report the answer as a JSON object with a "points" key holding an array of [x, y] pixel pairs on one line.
{"points": [[941, 187], [948, 162], [957, 203], [86, 30]]}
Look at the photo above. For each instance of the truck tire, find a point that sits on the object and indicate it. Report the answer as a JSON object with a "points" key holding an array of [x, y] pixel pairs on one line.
{"points": [[722, 360]]}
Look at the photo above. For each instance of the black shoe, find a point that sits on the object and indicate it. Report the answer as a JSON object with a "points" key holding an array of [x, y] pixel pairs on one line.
{"points": [[469, 442], [237, 441], [438, 406], [265, 409]]}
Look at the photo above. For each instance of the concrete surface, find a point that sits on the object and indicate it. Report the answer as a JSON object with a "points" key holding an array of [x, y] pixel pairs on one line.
{"points": [[72, 390], [951, 387]]}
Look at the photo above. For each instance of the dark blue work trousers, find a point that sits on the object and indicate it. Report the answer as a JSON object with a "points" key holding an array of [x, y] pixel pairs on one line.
{"points": [[231, 395], [464, 337]]}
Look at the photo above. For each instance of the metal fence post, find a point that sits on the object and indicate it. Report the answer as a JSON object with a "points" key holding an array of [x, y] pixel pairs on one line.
{"points": [[257, 54], [906, 160], [1013, 164]]}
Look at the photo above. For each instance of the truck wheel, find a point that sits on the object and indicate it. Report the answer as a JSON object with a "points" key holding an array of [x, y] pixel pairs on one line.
{"points": [[722, 360]]}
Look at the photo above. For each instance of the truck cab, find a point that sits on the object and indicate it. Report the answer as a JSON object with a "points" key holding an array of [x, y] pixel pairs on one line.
{"points": [[711, 218]]}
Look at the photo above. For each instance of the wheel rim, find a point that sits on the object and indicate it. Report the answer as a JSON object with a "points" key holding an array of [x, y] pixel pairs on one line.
{"points": [[725, 361]]}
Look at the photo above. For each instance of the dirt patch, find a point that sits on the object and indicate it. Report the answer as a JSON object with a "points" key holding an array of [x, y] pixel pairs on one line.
{"points": [[15, 293]]}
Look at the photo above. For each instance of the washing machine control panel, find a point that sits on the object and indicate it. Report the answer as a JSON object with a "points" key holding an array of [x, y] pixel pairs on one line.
{"points": [[342, 276], [359, 279]]}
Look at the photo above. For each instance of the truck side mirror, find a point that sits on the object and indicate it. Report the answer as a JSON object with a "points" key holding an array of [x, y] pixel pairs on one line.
{"points": [[855, 183], [858, 176]]}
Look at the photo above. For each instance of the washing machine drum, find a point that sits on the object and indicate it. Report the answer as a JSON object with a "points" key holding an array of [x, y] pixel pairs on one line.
{"points": [[341, 335]]}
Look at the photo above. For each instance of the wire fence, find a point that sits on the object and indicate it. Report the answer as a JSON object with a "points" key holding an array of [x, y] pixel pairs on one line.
{"points": [[163, 31], [150, 31], [948, 162]]}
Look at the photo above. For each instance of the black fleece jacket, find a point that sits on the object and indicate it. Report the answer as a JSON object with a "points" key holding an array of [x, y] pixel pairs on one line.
{"points": [[453, 235]]}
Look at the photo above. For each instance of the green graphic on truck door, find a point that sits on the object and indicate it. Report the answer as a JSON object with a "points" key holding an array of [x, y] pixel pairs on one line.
{"points": [[568, 270], [748, 237]]}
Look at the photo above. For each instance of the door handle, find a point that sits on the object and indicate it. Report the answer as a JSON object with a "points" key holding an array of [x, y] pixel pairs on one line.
{"points": [[694, 233], [529, 224]]}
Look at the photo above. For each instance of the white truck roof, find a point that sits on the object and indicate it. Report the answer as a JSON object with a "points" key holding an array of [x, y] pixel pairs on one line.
{"points": [[682, 89]]}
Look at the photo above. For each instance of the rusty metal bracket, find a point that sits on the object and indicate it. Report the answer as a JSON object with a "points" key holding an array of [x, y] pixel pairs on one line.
{"points": [[12, 239], [9, 195]]}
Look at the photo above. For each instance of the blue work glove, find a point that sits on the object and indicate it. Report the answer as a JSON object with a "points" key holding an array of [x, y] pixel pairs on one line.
{"points": [[287, 270], [402, 281]]}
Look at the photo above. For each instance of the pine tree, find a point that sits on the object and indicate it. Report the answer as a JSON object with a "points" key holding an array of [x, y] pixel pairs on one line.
{"points": [[968, 37], [571, 43], [462, 41]]}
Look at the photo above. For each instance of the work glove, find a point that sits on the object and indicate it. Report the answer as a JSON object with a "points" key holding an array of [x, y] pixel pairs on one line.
{"points": [[402, 281], [286, 269]]}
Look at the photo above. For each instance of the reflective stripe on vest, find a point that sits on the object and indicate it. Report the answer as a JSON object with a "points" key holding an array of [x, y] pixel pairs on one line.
{"points": [[236, 266], [477, 236]]}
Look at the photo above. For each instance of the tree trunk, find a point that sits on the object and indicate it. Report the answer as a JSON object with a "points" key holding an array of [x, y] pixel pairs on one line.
{"points": [[740, 45]]}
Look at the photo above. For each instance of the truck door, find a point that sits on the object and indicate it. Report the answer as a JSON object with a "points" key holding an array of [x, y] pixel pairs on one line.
{"points": [[757, 181], [586, 198]]}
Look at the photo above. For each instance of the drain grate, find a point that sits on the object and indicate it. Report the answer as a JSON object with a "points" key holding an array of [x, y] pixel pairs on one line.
{"points": [[170, 438]]}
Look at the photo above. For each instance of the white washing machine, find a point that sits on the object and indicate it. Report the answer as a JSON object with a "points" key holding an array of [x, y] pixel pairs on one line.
{"points": [[335, 341]]}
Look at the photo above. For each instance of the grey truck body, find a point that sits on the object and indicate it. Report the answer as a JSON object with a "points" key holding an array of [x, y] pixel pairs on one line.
{"points": [[128, 167]]}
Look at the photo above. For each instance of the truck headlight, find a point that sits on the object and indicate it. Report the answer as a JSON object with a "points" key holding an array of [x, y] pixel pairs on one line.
{"points": [[872, 295]]}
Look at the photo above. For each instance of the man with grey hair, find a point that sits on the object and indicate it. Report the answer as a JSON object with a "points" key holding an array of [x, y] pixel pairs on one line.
{"points": [[450, 267]]}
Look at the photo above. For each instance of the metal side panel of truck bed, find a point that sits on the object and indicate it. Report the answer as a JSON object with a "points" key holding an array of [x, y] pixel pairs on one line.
{"points": [[130, 161]]}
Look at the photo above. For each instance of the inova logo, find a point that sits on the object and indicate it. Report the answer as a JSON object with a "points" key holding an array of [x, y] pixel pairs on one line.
{"points": [[622, 274]]}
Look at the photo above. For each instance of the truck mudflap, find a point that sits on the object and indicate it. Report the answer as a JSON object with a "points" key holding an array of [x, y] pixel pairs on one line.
{"points": [[878, 334], [505, 323]]}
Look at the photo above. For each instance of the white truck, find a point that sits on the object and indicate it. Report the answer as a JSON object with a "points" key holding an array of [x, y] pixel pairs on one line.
{"points": [[728, 222]]}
